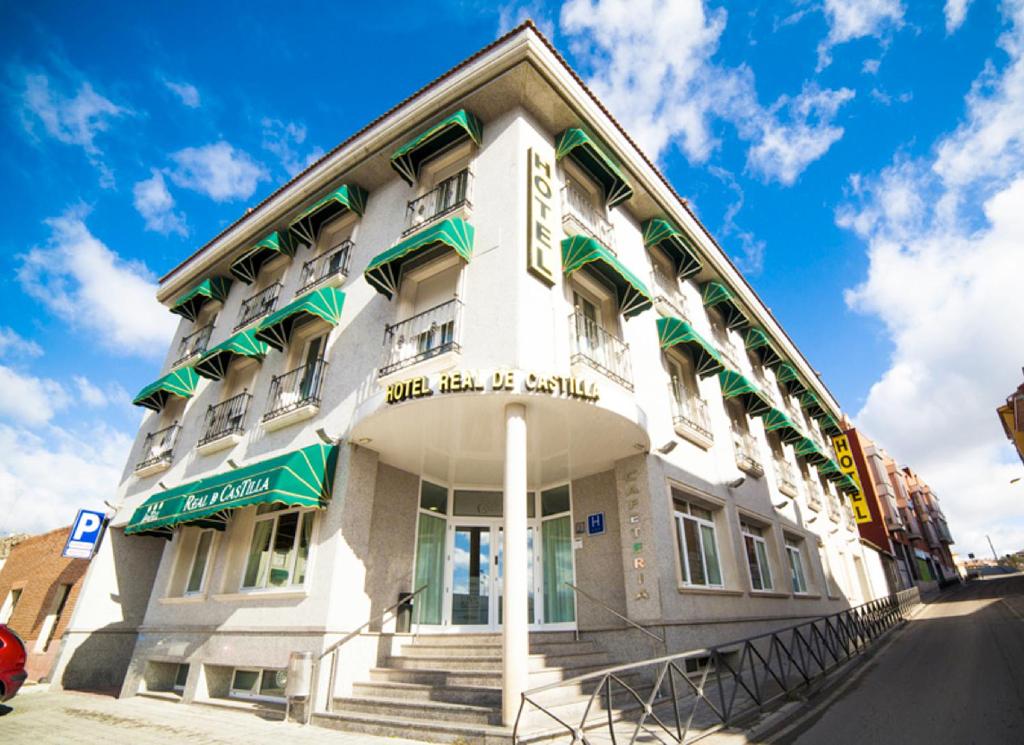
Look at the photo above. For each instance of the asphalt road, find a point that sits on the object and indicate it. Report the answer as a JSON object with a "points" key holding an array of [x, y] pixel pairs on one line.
{"points": [[954, 674]]}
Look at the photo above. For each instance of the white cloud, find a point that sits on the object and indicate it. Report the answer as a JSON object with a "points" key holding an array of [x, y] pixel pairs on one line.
{"points": [[88, 285], [156, 205], [871, 66], [37, 490], [855, 19], [29, 400], [187, 93], [512, 14], [96, 397], [282, 140], [956, 12], [750, 258], [651, 63], [13, 343], [218, 170], [945, 238]]}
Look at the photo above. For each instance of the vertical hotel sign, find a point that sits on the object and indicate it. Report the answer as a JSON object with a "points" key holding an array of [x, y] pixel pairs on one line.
{"points": [[541, 244], [841, 444]]}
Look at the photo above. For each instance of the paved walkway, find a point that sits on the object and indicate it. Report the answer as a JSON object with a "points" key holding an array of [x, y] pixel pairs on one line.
{"points": [[955, 674], [40, 717]]}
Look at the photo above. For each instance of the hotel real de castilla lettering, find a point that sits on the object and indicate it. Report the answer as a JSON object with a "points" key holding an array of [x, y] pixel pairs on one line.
{"points": [[460, 381]]}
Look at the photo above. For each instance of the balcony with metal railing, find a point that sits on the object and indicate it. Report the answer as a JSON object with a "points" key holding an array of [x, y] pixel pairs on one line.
{"points": [[579, 215], [668, 298], [254, 307], [448, 196], [424, 336], [834, 508], [295, 395], [814, 495], [690, 415], [785, 478], [746, 451], [329, 269], [224, 424], [194, 344], [601, 350], [158, 451], [727, 350]]}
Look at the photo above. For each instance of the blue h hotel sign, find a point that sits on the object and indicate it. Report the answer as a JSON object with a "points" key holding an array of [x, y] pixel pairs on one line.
{"points": [[595, 523], [85, 535]]}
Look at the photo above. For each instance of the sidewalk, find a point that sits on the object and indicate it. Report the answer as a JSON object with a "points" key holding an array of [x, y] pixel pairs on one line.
{"points": [[40, 717]]}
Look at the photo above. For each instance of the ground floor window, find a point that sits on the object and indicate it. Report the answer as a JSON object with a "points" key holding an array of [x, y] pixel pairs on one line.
{"points": [[200, 560], [279, 550], [757, 556], [256, 683], [796, 566], [698, 545], [181, 676]]}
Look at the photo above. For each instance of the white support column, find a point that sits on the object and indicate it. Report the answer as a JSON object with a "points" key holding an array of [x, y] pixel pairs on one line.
{"points": [[515, 628]]}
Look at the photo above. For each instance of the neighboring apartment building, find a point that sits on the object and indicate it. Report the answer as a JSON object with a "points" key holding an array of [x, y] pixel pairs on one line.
{"points": [[38, 590], [1011, 416], [483, 327], [932, 555]]}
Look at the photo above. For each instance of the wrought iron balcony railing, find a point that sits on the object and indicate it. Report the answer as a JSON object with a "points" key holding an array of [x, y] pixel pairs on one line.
{"points": [[592, 345], [728, 352], [785, 478], [689, 411], [295, 389], [832, 503], [579, 212], [447, 196], [263, 303], [226, 418], [666, 290], [331, 263], [159, 447], [194, 344], [814, 494], [423, 336], [746, 454]]}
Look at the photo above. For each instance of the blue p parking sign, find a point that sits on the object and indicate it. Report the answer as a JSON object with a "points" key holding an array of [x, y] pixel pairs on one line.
{"points": [[85, 535]]}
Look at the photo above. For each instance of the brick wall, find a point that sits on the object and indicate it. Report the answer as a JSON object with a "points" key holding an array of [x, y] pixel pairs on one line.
{"points": [[37, 568]]}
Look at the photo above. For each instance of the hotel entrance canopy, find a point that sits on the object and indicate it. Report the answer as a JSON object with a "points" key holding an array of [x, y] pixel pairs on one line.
{"points": [[301, 478], [580, 250]]}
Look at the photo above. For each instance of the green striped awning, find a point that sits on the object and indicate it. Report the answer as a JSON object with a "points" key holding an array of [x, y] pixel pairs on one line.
{"points": [[670, 239], [181, 383], [735, 385], [675, 332], [247, 266], [807, 449], [830, 470], [847, 485], [189, 304], [829, 425], [789, 377], [779, 422], [306, 227], [461, 125], [758, 341], [717, 295], [580, 251], [301, 478], [385, 270], [812, 405], [214, 364], [325, 303], [593, 158]]}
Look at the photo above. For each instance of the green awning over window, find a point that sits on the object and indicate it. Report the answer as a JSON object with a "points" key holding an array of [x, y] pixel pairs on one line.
{"points": [[789, 377], [181, 383], [385, 270], [758, 341], [717, 295], [847, 485], [348, 197], [779, 422], [812, 405], [325, 303], [735, 385], [461, 125], [302, 478], [807, 449], [189, 304], [829, 425], [214, 363], [247, 266], [670, 239], [594, 159], [830, 470], [675, 332], [581, 251]]}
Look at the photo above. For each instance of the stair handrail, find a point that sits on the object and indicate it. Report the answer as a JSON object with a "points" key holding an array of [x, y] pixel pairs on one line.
{"points": [[634, 624]]}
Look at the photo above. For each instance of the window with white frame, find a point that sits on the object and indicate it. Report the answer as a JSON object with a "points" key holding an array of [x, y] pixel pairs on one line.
{"points": [[10, 603], [698, 545], [279, 550], [756, 549], [795, 557], [258, 683], [200, 562]]}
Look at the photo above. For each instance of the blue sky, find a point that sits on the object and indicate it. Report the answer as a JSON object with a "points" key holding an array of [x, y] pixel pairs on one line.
{"points": [[860, 160]]}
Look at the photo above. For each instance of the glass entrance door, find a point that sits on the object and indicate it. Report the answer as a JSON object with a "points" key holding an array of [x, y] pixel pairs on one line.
{"points": [[472, 575]]}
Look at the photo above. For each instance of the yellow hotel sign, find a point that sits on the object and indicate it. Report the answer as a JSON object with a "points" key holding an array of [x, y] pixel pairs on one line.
{"points": [[847, 465]]}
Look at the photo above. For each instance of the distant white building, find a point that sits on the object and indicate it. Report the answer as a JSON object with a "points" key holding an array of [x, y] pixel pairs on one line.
{"points": [[483, 326]]}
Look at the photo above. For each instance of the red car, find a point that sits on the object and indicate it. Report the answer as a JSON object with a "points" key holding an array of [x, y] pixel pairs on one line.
{"points": [[12, 663]]}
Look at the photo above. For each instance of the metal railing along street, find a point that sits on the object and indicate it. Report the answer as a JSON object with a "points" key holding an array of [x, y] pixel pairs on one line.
{"points": [[159, 446], [263, 303], [225, 418], [295, 389], [578, 208], [682, 697], [193, 344], [689, 410], [333, 262], [447, 196], [605, 352], [423, 336]]}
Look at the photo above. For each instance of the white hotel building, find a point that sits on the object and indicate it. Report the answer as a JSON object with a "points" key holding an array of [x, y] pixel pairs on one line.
{"points": [[484, 353]]}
